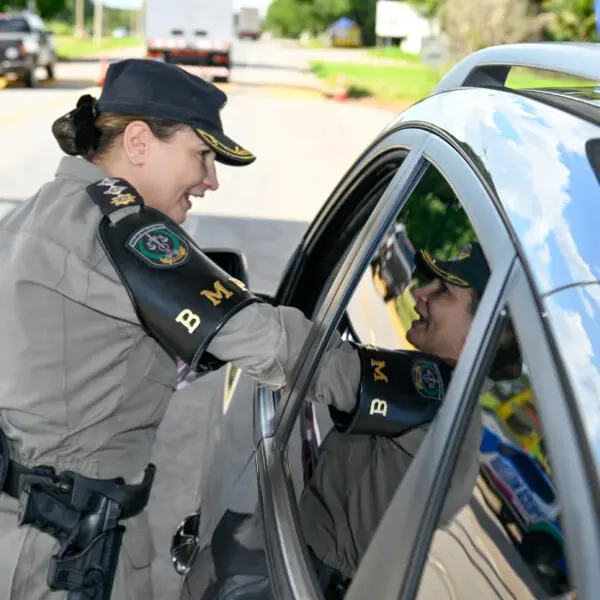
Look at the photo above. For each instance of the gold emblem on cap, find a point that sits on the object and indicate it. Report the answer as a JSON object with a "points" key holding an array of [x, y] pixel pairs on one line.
{"points": [[451, 278], [236, 152], [464, 253]]}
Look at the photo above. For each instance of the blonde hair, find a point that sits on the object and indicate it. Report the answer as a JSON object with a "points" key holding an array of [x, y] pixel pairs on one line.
{"points": [[85, 132]]}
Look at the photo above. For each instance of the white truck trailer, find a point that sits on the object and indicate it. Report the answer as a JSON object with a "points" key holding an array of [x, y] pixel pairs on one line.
{"points": [[192, 32]]}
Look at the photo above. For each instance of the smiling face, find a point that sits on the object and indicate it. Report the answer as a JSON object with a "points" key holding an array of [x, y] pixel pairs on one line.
{"points": [[446, 315], [175, 169], [166, 172]]}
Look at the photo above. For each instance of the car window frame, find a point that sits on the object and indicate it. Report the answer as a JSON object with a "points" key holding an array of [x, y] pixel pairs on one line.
{"points": [[564, 445], [283, 536], [566, 448], [582, 539], [288, 561], [477, 199]]}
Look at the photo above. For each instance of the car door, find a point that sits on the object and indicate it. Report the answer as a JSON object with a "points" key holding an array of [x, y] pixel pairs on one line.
{"points": [[229, 484], [290, 560]]}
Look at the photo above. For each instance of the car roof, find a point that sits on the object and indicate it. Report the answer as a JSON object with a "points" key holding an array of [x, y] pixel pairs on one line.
{"points": [[539, 153]]}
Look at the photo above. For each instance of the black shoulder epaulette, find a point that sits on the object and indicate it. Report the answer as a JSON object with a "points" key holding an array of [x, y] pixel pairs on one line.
{"points": [[112, 194]]}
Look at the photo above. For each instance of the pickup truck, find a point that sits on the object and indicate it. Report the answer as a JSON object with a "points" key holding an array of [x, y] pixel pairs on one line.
{"points": [[25, 45]]}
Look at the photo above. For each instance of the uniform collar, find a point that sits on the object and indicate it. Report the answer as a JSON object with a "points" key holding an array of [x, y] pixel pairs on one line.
{"points": [[78, 168]]}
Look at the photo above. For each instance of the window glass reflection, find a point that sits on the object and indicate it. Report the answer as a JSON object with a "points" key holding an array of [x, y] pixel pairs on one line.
{"points": [[412, 310], [507, 542]]}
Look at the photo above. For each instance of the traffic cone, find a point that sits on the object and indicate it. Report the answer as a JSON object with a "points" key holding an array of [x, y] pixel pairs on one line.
{"points": [[103, 69], [340, 93]]}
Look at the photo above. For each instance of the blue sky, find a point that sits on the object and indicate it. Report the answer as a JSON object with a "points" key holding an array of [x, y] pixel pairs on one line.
{"points": [[260, 4]]}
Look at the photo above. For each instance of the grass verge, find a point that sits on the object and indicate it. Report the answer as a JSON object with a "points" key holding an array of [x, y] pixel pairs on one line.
{"points": [[68, 46], [395, 53], [411, 82], [385, 82]]}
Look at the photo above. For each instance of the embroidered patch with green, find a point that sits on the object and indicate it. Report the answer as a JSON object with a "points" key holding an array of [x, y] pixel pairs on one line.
{"points": [[428, 379]]}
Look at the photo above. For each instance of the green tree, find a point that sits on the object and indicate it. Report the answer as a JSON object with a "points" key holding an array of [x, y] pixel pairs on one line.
{"points": [[428, 8], [47, 9], [287, 18], [435, 220], [571, 19], [290, 17]]}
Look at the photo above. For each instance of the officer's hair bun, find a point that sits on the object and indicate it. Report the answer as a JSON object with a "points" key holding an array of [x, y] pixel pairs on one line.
{"points": [[76, 132]]}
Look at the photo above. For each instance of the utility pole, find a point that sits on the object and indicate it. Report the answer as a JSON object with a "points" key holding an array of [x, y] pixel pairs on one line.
{"points": [[79, 18], [141, 20], [98, 18]]}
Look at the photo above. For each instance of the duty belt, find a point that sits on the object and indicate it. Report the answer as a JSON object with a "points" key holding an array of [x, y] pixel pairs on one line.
{"points": [[132, 498], [83, 514]]}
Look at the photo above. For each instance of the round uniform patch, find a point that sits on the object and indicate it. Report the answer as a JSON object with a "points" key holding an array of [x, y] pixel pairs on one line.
{"points": [[159, 246], [428, 379]]}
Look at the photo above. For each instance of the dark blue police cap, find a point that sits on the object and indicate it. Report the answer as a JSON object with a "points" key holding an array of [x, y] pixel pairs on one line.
{"points": [[467, 269], [155, 89]]}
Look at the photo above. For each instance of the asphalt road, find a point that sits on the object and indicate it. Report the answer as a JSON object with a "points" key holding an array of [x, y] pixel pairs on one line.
{"points": [[304, 144]]}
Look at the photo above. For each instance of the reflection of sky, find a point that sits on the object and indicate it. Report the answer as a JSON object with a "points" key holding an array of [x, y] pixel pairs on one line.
{"points": [[574, 315], [536, 156]]}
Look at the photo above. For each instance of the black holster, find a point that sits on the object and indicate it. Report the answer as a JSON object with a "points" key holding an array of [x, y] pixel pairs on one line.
{"points": [[83, 514]]}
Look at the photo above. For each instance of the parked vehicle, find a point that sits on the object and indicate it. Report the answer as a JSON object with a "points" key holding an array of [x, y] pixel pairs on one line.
{"points": [[25, 45], [523, 166], [248, 23], [530, 501], [192, 32]]}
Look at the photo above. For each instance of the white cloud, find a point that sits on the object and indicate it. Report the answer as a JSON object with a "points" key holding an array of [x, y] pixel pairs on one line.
{"points": [[582, 365], [535, 181]]}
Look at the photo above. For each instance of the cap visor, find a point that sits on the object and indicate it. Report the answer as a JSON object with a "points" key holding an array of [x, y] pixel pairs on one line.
{"points": [[228, 152], [437, 269]]}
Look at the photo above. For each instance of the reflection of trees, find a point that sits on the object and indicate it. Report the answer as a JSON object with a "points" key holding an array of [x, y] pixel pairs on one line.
{"points": [[434, 219]]}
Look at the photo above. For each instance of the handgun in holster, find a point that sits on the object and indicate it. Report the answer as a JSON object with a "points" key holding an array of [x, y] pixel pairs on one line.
{"points": [[83, 514]]}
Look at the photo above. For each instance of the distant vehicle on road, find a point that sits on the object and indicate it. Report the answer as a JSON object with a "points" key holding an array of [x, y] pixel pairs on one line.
{"points": [[248, 23], [25, 45], [192, 32]]}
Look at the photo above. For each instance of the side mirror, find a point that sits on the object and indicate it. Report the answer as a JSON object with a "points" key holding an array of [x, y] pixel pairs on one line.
{"points": [[232, 261], [184, 543]]}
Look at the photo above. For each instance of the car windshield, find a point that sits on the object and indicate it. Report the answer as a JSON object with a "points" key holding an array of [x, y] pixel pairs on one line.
{"points": [[13, 25]]}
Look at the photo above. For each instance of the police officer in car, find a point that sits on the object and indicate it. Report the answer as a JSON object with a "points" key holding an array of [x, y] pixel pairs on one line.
{"points": [[365, 456], [101, 293]]}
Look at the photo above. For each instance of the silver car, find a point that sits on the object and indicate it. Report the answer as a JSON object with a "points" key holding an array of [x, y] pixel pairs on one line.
{"points": [[518, 170]]}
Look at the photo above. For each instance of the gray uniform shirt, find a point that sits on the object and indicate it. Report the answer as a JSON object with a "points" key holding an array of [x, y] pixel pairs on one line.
{"points": [[81, 384]]}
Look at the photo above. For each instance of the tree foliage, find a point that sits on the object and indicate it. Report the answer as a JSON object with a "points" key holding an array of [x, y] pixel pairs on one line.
{"points": [[289, 18], [47, 9], [571, 19], [434, 218]]}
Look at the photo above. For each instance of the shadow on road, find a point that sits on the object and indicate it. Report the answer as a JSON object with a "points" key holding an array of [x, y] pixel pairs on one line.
{"points": [[234, 64], [239, 65], [53, 84], [84, 59]]}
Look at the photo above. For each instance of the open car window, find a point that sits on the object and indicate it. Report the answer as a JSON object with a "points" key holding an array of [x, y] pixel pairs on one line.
{"points": [[344, 482]]}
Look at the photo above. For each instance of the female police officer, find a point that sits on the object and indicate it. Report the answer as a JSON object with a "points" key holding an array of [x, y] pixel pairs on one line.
{"points": [[101, 291]]}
